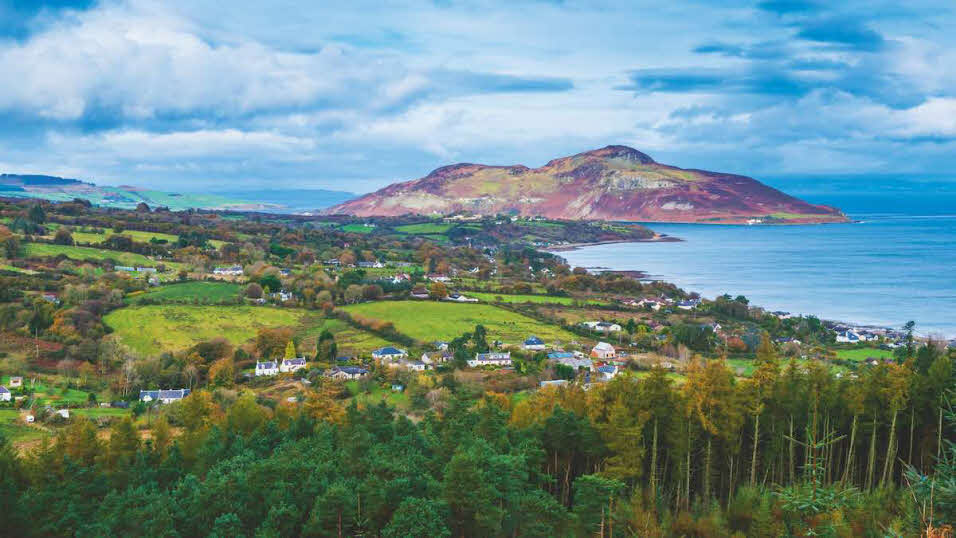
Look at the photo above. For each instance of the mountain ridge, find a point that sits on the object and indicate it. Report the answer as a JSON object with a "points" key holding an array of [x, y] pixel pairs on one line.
{"points": [[611, 183]]}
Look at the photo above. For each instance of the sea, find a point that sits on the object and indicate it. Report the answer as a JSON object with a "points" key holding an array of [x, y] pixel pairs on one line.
{"points": [[895, 263]]}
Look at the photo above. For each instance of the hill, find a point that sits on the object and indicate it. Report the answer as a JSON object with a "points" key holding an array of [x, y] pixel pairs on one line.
{"points": [[127, 197], [615, 183]]}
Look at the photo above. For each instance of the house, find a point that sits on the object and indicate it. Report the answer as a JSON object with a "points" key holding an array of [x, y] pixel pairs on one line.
{"points": [[441, 346], [417, 366], [16, 382], [29, 419], [491, 359], [573, 362], [607, 372], [653, 304], [347, 372], [389, 353], [400, 278], [533, 343], [438, 277], [51, 298], [162, 396], [333, 262], [282, 295], [603, 350], [420, 293], [5, 395], [689, 304], [146, 269], [602, 326], [554, 355], [439, 357], [125, 268], [63, 413], [779, 314], [459, 298], [234, 270], [291, 365], [848, 337], [553, 383], [266, 368], [371, 265]]}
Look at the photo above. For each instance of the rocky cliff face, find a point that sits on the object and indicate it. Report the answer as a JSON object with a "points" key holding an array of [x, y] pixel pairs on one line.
{"points": [[612, 183]]}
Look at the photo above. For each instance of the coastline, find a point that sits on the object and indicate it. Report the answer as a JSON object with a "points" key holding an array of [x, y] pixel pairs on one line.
{"points": [[658, 238]]}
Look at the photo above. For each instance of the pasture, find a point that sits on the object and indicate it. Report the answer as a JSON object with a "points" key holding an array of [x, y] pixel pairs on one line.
{"points": [[429, 320], [191, 292], [153, 329], [490, 297], [863, 353], [36, 250]]}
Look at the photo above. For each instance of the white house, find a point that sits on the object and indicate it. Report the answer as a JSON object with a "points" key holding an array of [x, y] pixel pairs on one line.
{"points": [[347, 372], [554, 383], [848, 337], [608, 372], [389, 353], [689, 304], [653, 304], [438, 277], [5, 395], [491, 359], [291, 365], [437, 357], [235, 270], [266, 368], [16, 382], [603, 350], [417, 366], [163, 396], [533, 343], [63, 413], [602, 326], [573, 362], [459, 298], [29, 419]]}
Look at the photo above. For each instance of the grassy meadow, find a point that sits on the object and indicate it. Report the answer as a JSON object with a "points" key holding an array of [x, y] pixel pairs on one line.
{"points": [[430, 320], [190, 292], [152, 329], [32, 250], [861, 354]]}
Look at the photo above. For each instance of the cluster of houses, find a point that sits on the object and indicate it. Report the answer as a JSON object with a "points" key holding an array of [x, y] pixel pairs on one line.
{"points": [[271, 368], [232, 270], [851, 336], [602, 326]]}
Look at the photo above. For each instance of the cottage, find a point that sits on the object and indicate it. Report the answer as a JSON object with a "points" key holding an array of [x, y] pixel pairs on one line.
{"points": [[653, 304], [124, 268], [347, 372], [437, 357], [389, 353], [602, 326], [848, 337], [533, 343], [607, 372], [553, 383], [400, 278], [438, 277], [234, 270], [440, 346], [573, 362], [417, 366], [291, 365], [51, 298], [29, 419], [63, 413], [266, 368], [162, 396], [554, 355], [5, 395], [689, 304], [603, 350], [146, 269], [491, 359], [459, 298], [16, 382]]}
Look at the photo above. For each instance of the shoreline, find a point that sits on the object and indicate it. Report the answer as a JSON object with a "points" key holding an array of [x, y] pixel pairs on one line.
{"points": [[658, 238]]}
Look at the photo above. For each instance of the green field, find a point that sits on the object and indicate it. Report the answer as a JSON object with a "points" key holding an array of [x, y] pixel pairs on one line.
{"points": [[377, 394], [153, 329], [429, 321], [349, 340], [358, 228], [32, 250], [7, 267], [861, 354], [189, 292], [424, 228]]}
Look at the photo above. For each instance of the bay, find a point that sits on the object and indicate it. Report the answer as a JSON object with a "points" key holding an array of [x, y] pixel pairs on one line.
{"points": [[897, 263]]}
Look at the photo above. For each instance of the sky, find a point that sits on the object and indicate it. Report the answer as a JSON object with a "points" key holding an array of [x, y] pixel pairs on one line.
{"points": [[354, 95]]}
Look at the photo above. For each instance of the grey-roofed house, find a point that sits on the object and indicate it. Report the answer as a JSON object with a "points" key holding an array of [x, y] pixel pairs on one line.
{"points": [[163, 395], [533, 343], [291, 365], [389, 353]]}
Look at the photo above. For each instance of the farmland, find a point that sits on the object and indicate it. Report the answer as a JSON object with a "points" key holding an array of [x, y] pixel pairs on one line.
{"points": [[191, 292], [861, 354], [537, 299], [429, 320], [424, 228], [90, 253], [153, 329]]}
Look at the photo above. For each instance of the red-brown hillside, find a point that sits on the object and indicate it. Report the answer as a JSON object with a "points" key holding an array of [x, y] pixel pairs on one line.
{"points": [[613, 183]]}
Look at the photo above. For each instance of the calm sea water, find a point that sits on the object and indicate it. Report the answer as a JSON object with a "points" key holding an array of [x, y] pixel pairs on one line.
{"points": [[897, 264]]}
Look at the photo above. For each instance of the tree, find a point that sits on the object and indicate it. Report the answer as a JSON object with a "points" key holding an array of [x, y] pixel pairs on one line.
{"points": [[325, 348], [289, 350], [254, 291], [36, 214], [594, 505], [417, 517], [63, 237], [437, 291]]}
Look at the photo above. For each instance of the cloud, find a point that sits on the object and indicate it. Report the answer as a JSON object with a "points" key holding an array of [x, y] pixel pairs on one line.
{"points": [[844, 32]]}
